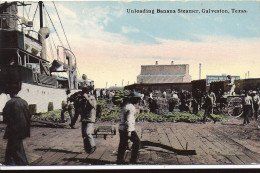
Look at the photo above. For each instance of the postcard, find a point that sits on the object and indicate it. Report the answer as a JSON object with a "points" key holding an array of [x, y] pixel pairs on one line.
{"points": [[129, 84]]}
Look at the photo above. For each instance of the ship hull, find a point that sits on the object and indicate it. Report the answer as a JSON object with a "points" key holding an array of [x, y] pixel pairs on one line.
{"points": [[40, 96]]}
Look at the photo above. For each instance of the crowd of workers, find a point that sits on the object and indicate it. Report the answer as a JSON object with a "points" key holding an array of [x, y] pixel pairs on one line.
{"points": [[210, 102], [16, 115]]}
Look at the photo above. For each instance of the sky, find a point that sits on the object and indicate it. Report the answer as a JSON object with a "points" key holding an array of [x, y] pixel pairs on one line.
{"points": [[111, 44]]}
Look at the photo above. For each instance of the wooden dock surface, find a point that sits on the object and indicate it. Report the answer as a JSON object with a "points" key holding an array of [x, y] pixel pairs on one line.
{"points": [[226, 143]]}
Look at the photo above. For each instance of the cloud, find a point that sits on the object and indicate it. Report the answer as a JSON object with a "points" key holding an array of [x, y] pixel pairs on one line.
{"points": [[111, 57], [65, 11], [126, 29], [106, 60]]}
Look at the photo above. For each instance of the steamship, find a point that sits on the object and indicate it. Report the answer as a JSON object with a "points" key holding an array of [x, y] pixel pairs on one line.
{"points": [[24, 56]]}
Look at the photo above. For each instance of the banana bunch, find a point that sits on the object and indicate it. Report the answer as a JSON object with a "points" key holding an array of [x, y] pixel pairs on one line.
{"points": [[120, 95]]}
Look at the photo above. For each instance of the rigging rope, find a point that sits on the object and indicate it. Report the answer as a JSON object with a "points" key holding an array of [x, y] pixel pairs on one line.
{"points": [[26, 13], [64, 33], [29, 12], [54, 27], [61, 24], [52, 54], [35, 11], [34, 15]]}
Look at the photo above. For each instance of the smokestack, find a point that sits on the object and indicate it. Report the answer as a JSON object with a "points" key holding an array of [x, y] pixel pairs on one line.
{"points": [[200, 71], [156, 62], [172, 62], [248, 74]]}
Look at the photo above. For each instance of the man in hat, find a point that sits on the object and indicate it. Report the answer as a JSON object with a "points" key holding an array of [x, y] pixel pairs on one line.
{"points": [[16, 116], [87, 110], [127, 130], [208, 105]]}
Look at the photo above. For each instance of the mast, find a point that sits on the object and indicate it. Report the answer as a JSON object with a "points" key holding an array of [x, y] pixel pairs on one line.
{"points": [[41, 18]]}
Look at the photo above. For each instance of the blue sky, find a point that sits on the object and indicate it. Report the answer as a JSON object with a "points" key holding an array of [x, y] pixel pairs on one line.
{"points": [[146, 27], [111, 44]]}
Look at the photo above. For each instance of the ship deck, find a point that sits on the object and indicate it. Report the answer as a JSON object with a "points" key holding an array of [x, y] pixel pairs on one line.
{"points": [[226, 143]]}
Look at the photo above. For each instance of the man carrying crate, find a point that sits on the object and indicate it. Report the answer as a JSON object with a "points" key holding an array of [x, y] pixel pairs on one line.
{"points": [[87, 108]]}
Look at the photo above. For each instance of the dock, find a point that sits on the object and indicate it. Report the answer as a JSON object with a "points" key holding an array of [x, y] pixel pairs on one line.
{"points": [[165, 143]]}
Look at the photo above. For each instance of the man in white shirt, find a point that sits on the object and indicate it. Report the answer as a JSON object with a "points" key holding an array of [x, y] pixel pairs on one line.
{"points": [[164, 94], [247, 103], [231, 85], [127, 131]]}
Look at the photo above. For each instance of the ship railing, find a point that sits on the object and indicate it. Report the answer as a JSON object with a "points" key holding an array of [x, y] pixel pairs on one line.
{"points": [[26, 57], [35, 37]]}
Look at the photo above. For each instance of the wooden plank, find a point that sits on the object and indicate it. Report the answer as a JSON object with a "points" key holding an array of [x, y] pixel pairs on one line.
{"points": [[208, 142], [234, 159], [58, 158], [110, 154], [179, 136], [223, 147], [108, 157], [244, 158], [210, 157], [144, 154], [172, 138], [154, 138], [175, 144], [45, 158], [255, 157], [95, 158], [194, 143], [163, 155], [68, 159]]}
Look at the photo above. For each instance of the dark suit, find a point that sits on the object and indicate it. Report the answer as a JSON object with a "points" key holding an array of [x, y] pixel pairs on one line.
{"points": [[16, 116]]}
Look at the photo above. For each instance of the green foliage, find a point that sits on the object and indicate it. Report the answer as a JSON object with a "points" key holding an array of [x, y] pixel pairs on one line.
{"points": [[102, 103], [111, 114], [54, 116], [176, 117], [119, 96], [108, 113]]}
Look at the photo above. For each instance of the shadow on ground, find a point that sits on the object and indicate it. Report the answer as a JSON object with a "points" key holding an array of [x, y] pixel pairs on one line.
{"points": [[90, 161], [144, 144], [47, 124], [56, 150]]}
